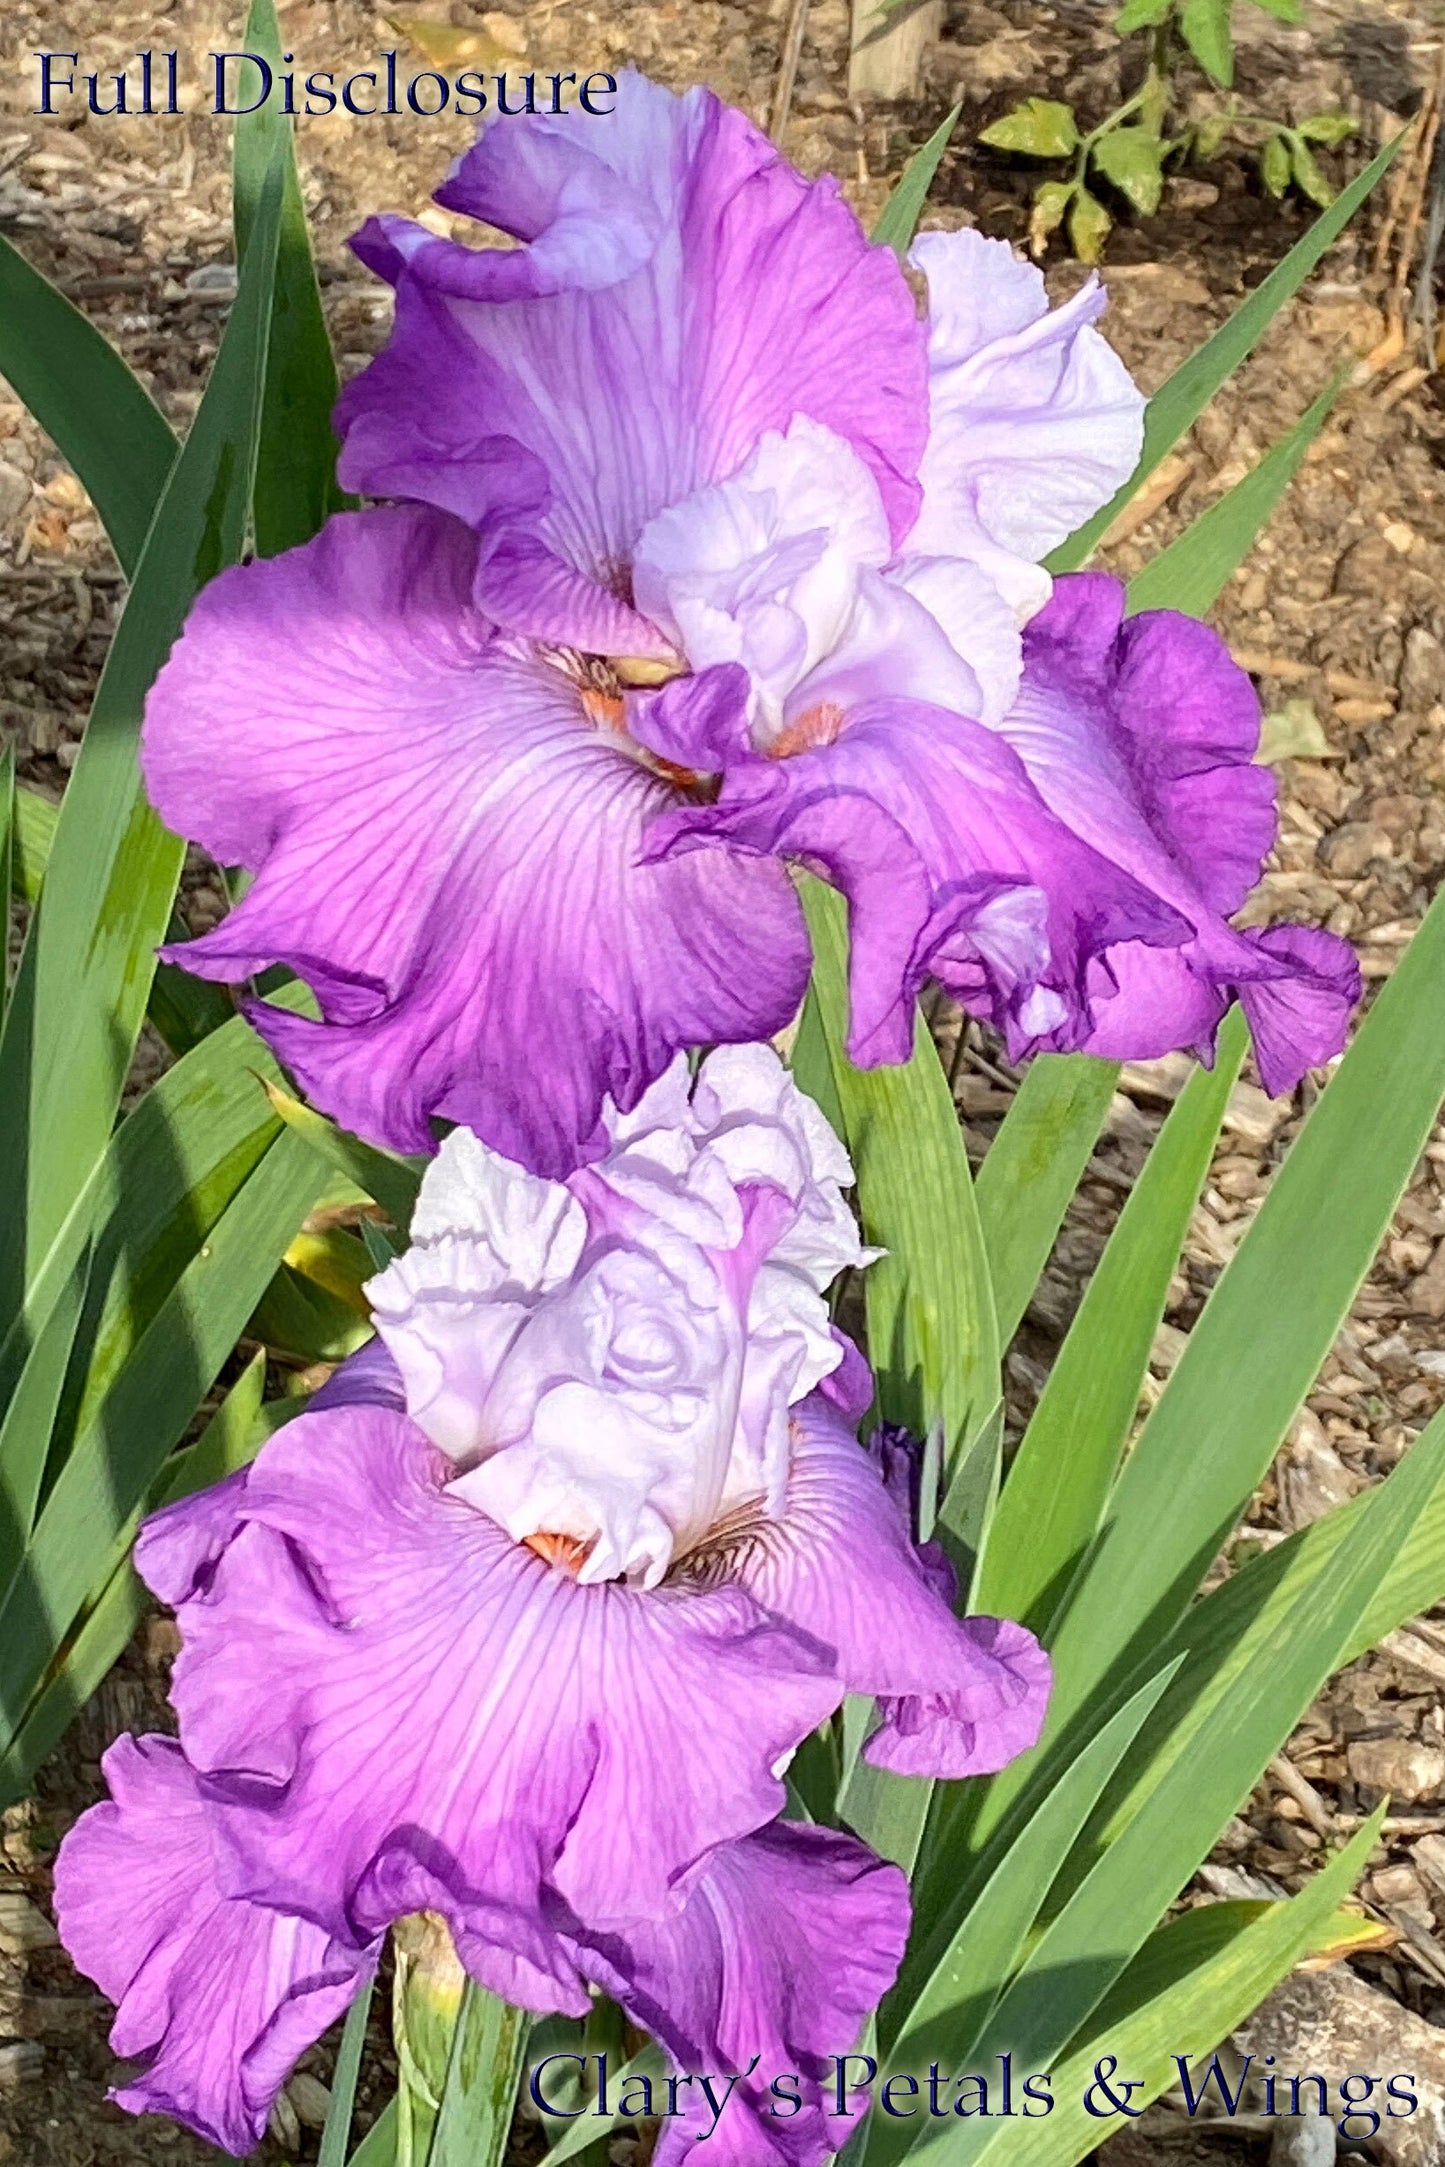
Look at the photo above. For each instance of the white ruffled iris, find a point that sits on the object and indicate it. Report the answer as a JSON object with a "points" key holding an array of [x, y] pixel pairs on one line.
{"points": [[788, 568], [610, 1361]]}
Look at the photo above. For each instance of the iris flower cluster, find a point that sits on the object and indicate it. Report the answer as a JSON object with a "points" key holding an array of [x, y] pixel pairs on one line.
{"points": [[521, 1623], [711, 548]]}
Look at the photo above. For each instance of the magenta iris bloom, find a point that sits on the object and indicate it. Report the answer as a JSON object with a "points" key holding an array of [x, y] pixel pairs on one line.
{"points": [[713, 557], [521, 1624]]}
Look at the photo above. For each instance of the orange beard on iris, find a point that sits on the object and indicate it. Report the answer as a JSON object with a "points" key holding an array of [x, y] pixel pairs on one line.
{"points": [[817, 726], [566, 1552], [605, 707]]}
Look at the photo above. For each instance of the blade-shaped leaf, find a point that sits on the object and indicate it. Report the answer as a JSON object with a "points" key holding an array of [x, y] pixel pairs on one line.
{"points": [[889, 1812], [102, 418], [932, 1336], [1221, 1637], [380, 1250], [970, 1499], [233, 1436], [812, 1062], [483, 2071], [1414, 1583], [1189, 1986], [32, 832], [335, 1258], [337, 2133], [88, 962], [390, 1180], [302, 1322], [1032, 1168], [119, 1449], [942, 1999], [171, 1168], [1192, 572], [1180, 401], [295, 487], [8, 857], [1267, 1327], [25, 1433], [182, 1008], [646, 2062], [1248, 1364], [898, 221], [931, 1330], [378, 2147], [1060, 1480], [1281, 1662]]}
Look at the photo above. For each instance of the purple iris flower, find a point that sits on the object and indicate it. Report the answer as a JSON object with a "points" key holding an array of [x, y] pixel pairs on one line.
{"points": [[713, 556], [520, 1624]]}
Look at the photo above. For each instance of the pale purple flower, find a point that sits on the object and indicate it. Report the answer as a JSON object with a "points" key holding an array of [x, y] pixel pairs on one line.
{"points": [[716, 557], [1147, 732], [521, 1623], [217, 1997]]}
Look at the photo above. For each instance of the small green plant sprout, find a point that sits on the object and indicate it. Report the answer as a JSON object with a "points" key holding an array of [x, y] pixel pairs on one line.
{"points": [[1284, 150], [1287, 157], [1128, 151]]}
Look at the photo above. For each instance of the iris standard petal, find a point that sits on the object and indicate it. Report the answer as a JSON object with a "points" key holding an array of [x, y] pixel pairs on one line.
{"points": [[446, 842], [611, 1359], [1035, 421], [935, 629], [762, 569], [780, 570], [489, 1242], [682, 292]]}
